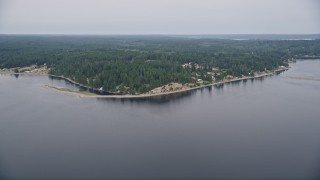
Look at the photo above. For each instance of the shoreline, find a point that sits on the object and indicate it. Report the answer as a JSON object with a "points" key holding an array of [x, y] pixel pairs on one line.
{"points": [[118, 96], [80, 85], [13, 73], [159, 94]]}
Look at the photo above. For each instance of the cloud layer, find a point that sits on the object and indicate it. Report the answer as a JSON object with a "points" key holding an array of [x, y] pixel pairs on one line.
{"points": [[159, 16]]}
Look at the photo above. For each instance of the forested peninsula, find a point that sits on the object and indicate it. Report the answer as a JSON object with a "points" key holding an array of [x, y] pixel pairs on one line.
{"points": [[132, 65]]}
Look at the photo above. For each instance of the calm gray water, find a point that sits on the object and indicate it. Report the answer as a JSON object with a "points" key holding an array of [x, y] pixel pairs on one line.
{"points": [[266, 128]]}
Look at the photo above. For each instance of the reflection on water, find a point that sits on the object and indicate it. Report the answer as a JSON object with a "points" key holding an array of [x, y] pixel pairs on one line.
{"points": [[219, 87], [260, 79], [209, 88], [152, 100], [235, 83], [78, 87], [16, 76]]}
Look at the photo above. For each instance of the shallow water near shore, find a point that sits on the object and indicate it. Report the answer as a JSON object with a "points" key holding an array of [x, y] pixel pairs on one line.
{"points": [[261, 128]]}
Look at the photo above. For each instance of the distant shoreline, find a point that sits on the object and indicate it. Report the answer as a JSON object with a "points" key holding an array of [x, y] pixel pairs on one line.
{"points": [[158, 94]]}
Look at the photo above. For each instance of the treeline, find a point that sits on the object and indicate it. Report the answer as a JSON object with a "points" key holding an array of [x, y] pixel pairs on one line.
{"points": [[122, 76], [136, 64]]}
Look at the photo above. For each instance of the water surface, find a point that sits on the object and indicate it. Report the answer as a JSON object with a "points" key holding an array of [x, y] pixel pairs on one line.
{"points": [[265, 128]]}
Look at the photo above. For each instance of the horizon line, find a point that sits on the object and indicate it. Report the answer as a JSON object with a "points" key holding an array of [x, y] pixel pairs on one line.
{"points": [[156, 34]]}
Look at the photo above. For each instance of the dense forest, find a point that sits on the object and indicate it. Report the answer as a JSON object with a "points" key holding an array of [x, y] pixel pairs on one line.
{"points": [[137, 64]]}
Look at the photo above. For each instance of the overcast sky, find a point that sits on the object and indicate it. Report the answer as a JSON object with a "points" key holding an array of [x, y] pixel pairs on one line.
{"points": [[159, 16]]}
